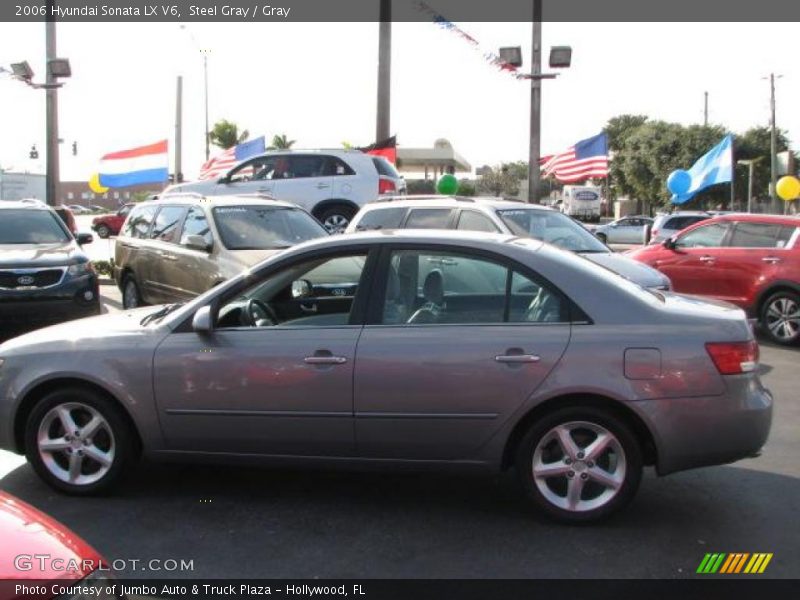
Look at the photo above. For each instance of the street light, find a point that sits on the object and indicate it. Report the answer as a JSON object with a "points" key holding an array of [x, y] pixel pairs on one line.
{"points": [[204, 52], [57, 68]]}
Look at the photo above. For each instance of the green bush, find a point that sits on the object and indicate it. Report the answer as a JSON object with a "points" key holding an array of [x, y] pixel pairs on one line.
{"points": [[104, 267]]}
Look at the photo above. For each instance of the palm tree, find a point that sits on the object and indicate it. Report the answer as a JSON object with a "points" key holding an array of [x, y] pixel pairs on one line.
{"points": [[280, 142], [225, 134]]}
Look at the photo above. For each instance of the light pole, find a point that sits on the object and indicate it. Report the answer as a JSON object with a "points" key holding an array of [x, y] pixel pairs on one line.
{"points": [[204, 52], [773, 140], [750, 164], [382, 124]]}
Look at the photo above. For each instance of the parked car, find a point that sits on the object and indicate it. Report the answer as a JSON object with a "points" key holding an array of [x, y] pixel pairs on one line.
{"points": [[665, 226], [180, 246], [96, 208], [66, 216], [41, 550], [330, 184], [473, 350], [627, 230], [108, 225], [752, 261], [78, 209], [45, 277], [502, 216]]}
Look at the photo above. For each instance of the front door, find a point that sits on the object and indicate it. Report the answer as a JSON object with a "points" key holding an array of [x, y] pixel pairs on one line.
{"points": [[255, 176], [260, 383], [459, 344]]}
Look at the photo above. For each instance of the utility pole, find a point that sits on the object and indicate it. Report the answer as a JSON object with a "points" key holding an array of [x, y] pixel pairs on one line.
{"points": [[178, 129], [773, 142], [705, 110], [205, 84], [536, 105], [382, 127], [51, 108]]}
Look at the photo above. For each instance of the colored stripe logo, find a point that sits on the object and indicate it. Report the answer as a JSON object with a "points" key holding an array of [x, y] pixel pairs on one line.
{"points": [[733, 563]]}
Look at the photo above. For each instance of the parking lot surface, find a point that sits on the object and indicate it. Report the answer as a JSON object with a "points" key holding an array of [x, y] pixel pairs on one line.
{"points": [[254, 522]]}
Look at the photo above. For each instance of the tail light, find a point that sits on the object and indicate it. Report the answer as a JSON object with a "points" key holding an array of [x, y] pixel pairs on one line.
{"points": [[733, 358], [386, 186]]}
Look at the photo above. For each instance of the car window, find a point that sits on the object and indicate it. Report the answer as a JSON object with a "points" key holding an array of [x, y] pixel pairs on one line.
{"points": [[680, 223], [382, 218], [196, 224], [384, 167], [552, 227], [785, 236], [428, 287], [24, 226], [755, 235], [167, 222], [264, 227], [336, 166], [256, 169], [300, 166], [313, 293], [471, 220], [138, 223], [705, 236], [428, 218]]}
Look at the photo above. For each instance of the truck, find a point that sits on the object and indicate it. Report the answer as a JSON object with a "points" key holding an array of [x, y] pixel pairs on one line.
{"points": [[582, 202]]}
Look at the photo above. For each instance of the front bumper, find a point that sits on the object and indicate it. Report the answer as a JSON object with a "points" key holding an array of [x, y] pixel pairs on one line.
{"points": [[714, 430]]}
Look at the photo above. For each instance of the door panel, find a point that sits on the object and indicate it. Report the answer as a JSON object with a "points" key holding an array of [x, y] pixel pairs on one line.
{"points": [[691, 265], [306, 182]]}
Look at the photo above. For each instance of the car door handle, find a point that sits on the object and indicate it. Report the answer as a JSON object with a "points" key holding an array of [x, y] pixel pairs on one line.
{"points": [[322, 186], [707, 258], [517, 358], [324, 360], [308, 309], [771, 259]]}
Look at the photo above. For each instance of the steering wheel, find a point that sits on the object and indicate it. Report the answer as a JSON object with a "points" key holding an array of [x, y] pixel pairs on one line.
{"points": [[258, 314]]}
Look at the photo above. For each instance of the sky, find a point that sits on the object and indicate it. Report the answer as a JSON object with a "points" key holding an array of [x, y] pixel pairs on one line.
{"points": [[316, 83]]}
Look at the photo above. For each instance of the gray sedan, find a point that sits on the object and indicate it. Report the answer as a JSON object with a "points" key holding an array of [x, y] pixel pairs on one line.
{"points": [[400, 348], [627, 230]]}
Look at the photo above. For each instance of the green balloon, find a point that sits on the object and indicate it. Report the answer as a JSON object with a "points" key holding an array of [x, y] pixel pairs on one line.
{"points": [[447, 185]]}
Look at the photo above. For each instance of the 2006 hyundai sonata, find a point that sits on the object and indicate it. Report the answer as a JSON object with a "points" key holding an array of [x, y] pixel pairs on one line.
{"points": [[400, 347]]}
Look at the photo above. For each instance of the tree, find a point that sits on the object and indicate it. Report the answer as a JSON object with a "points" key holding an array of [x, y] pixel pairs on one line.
{"points": [[280, 142], [225, 134], [502, 180], [754, 144], [619, 129]]}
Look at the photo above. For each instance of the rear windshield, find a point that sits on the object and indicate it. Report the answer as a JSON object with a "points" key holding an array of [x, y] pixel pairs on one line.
{"points": [[552, 227], [385, 167], [265, 228], [21, 226]]}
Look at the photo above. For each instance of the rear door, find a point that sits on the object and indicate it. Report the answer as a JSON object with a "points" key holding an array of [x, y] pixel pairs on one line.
{"points": [[166, 268], [306, 181], [455, 343], [133, 250]]}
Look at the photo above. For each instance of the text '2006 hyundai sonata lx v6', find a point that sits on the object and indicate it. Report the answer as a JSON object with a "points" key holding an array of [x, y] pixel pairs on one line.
{"points": [[404, 347]]}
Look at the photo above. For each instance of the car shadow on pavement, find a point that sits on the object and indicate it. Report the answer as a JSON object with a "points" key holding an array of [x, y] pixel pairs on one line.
{"points": [[259, 522]]}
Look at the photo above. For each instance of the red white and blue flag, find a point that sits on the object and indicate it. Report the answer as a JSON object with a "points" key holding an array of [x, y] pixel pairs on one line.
{"points": [[586, 159], [145, 164], [219, 165]]}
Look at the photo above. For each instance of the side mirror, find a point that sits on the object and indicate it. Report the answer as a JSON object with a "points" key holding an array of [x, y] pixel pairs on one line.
{"points": [[224, 179], [84, 238], [196, 242], [201, 322], [301, 289], [670, 243]]}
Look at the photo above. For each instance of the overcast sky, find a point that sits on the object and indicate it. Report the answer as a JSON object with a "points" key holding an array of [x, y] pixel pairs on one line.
{"points": [[316, 82]]}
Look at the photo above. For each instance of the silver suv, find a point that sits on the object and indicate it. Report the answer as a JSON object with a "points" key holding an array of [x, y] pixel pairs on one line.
{"points": [[502, 216], [330, 184], [176, 248], [665, 226]]}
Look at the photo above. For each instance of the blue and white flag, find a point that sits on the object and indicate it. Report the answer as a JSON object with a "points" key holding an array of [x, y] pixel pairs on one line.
{"points": [[716, 166]]}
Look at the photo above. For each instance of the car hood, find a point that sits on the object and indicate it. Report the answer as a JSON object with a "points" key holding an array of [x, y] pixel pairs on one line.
{"points": [[629, 268], [39, 255], [29, 532]]}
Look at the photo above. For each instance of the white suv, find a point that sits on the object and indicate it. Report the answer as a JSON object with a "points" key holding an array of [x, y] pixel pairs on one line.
{"points": [[330, 184]]}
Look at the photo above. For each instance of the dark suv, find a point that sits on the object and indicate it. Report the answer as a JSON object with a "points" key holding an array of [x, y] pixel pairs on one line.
{"points": [[45, 277]]}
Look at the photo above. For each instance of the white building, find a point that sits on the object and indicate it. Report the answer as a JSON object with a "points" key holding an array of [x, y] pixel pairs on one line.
{"points": [[16, 186]]}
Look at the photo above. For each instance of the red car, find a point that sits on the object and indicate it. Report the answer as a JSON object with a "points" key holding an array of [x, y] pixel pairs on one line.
{"points": [[107, 225], [752, 261], [40, 558]]}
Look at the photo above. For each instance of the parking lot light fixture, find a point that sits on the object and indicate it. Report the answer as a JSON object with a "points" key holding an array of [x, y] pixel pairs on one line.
{"points": [[22, 71], [560, 57], [59, 68]]}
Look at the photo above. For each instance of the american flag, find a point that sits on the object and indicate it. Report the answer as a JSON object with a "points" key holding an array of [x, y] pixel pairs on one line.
{"points": [[588, 158], [217, 166]]}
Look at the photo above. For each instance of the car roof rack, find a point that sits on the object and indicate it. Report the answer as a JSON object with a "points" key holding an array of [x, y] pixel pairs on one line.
{"points": [[402, 198]]}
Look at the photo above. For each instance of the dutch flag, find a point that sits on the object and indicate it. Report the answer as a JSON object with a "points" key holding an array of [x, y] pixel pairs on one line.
{"points": [[146, 164]]}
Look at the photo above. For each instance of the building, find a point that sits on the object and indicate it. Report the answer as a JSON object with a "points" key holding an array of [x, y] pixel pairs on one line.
{"points": [[436, 161], [16, 186]]}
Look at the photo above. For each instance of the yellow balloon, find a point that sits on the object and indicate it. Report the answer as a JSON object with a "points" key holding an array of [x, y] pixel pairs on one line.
{"points": [[788, 188], [94, 184]]}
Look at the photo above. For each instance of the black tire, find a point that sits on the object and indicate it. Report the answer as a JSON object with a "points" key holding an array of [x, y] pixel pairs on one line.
{"points": [[602, 237], [120, 439], [786, 302], [103, 231], [131, 297], [631, 469], [336, 218]]}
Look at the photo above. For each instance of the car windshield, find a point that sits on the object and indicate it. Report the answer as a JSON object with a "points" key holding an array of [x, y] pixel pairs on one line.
{"points": [[552, 227], [21, 226], [265, 228]]}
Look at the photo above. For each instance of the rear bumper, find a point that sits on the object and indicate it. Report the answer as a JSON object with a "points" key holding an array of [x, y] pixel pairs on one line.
{"points": [[703, 431]]}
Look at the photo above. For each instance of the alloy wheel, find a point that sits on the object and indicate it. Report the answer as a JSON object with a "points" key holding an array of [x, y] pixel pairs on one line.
{"points": [[783, 319], [579, 466], [336, 223], [130, 298], [76, 443]]}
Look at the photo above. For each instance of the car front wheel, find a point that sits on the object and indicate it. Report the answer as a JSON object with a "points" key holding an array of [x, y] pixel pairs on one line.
{"points": [[77, 441], [131, 298], [103, 231], [780, 318], [579, 464]]}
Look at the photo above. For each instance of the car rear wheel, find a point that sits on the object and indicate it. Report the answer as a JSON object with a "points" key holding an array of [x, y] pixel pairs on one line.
{"points": [[780, 318], [131, 298], [336, 219], [579, 464], [103, 231], [77, 441]]}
